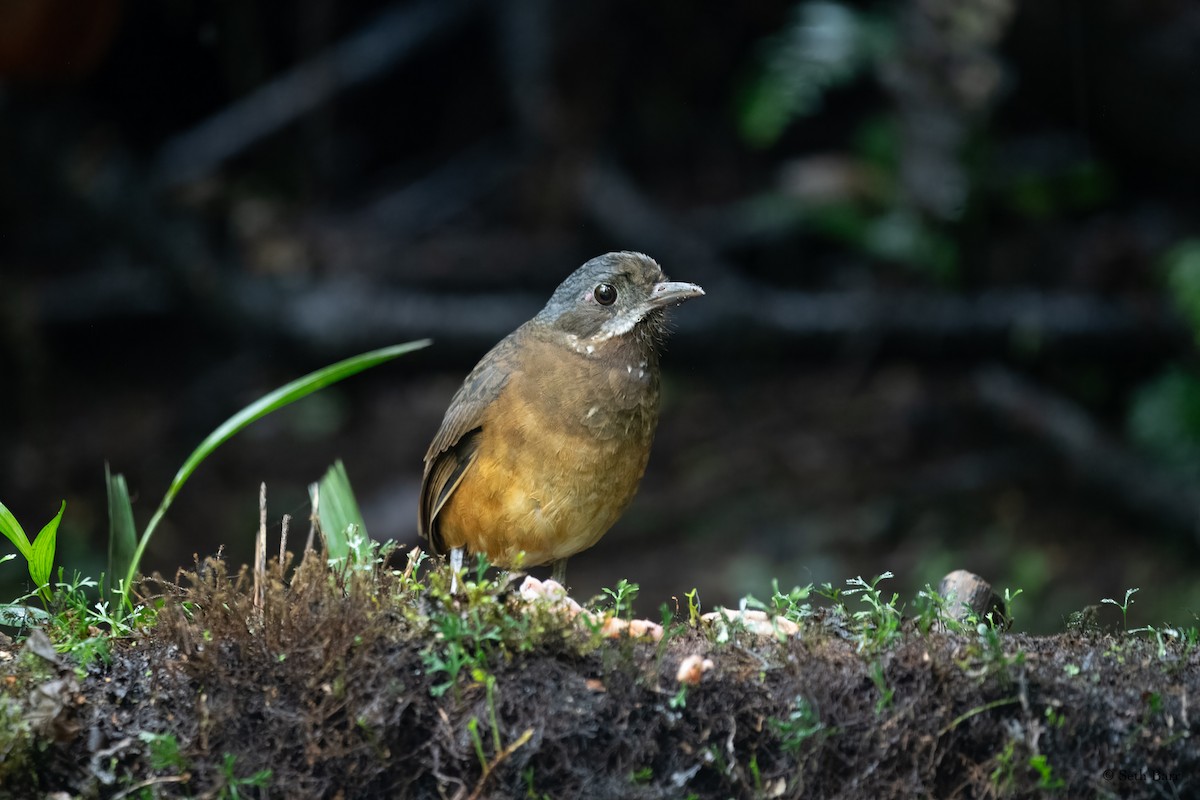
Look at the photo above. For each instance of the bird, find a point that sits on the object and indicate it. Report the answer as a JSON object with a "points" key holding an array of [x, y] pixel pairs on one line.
{"points": [[543, 446]]}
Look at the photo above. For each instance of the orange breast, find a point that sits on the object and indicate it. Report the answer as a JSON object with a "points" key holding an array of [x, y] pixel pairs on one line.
{"points": [[557, 463]]}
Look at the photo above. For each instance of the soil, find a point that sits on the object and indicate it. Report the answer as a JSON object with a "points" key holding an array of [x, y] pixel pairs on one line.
{"points": [[332, 687]]}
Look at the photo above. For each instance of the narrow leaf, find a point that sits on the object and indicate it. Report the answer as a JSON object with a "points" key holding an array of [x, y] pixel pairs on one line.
{"points": [[338, 511], [289, 393], [15, 533], [285, 395], [41, 559], [122, 535]]}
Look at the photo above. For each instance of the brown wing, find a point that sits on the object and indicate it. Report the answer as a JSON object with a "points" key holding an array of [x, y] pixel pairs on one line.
{"points": [[456, 442]]}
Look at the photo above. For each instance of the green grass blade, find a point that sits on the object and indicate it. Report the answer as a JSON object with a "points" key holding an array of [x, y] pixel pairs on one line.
{"points": [[338, 510], [15, 533], [41, 558], [122, 535], [289, 393]]}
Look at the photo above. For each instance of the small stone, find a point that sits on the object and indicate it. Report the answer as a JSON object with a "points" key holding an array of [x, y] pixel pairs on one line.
{"points": [[550, 592], [644, 628], [755, 621], [968, 595], [692, 669]]}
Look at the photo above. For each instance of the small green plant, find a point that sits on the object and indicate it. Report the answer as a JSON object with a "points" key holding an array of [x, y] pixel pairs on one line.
{"points": [[622, 598], [232, 787], [463, 646], [693, 598], [1002, 776], [500, 751], [680, 698], [38, 554], [489, 683], [1129, 593], [830, 592], [1161, 634], [931, 609], [472, 625], [477, 740], [1008, 617], [643, 775], [987, 655], [671, 630], [755, 774], [1054, 717], [1046, 777], [285, 395], [886, 693], [164, 752], [793, 604], [531, 792], [802, 723], [879, 624]]}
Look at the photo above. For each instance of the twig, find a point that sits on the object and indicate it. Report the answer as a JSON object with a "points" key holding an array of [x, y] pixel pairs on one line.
{"points": [[1140, 485], [343, 313], [961, 718], [314, 494], [283, 534], [413, 557], [260, 551], [375, 47], [137, 787], [617, 205], [497, 761]]}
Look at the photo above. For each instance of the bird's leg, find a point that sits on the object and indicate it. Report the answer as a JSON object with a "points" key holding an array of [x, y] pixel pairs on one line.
{"points": [[559, 572], [456, 559]]}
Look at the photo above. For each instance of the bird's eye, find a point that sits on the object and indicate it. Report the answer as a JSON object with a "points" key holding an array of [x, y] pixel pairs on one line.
{"points": [[605, 294]]}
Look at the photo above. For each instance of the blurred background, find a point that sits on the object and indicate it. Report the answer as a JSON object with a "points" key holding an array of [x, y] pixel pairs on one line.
{"points": [[951, 249]]}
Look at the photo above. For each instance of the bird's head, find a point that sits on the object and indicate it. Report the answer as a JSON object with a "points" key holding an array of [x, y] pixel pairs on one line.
{"points": [[615, 295]]}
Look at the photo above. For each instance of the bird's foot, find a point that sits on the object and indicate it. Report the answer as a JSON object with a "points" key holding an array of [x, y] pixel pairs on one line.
{"points": [[456, 562]]}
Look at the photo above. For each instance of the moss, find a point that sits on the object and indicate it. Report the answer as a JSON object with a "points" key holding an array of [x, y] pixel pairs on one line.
{"points": [[332, 684]]}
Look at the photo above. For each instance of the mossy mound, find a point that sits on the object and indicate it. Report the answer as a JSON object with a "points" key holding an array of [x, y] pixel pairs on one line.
{"points": [[371, 684]]}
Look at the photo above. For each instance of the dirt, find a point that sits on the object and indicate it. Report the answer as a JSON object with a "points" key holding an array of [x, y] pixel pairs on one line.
{"points": [[331, 687]]}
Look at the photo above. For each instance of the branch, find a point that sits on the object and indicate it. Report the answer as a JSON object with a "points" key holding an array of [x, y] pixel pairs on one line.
{"points": [[1141, 486], [374, 48]]}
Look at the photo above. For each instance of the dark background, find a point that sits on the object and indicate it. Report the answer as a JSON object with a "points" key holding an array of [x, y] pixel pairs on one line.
{"points": [[947, 247]]}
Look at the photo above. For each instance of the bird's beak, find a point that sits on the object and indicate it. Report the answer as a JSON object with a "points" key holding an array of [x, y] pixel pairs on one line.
{"points": [[670, 293]]}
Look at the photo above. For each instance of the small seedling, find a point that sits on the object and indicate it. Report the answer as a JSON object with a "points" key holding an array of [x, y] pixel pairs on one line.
{"points": [[623, 596], [643, 775], [531, 792], [1054, 717], [756, 774], [1002, 776], [1046, 777], [802, 724], [233, 785], [793, 604], [164, 751], [693, 598], [477, 740], [879, 623], [886, 693], [38, 554], [1129, 593], [1159, 633]]}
